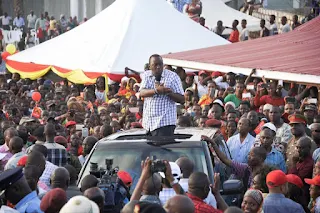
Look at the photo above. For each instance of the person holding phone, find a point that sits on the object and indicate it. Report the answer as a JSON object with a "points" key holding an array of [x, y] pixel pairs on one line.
{"points": [[274, 96], [161, 90], [208, 98]]}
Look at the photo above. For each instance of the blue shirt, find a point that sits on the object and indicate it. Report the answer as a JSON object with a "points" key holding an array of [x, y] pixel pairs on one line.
{"points": [[29, 204], [278, 203], [275, 158], [240, 151]]}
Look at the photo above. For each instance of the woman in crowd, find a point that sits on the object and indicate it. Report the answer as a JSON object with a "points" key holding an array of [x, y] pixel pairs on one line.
{"points": [[252, 201]]}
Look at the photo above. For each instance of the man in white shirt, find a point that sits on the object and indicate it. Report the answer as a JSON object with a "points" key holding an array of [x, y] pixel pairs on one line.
{"points": [[18, 21], [40, 23], [241, 144], [5, 19], [31, 18], [273, 25], [285, 27], [244, 34]]}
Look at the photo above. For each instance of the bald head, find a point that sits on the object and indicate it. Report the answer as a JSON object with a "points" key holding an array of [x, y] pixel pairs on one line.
{"points": [[199, 185], [88, 181], [152, 186], [15, 145], [96, 195], [60, 178], [186, 166], [10, 133], [179, 204], [233, 209]]}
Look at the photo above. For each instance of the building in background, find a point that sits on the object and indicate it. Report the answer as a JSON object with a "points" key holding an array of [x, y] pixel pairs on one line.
{"points": [[80, 8]]}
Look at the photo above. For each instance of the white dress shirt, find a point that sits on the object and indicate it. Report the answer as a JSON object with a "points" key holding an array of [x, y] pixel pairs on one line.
{"points": [[240, 151]]}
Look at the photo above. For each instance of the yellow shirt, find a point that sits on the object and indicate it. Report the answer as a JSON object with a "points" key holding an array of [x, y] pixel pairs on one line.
{"points": [[52, 24]]}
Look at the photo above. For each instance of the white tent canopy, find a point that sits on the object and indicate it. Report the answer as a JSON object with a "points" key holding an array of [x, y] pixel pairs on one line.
{"points": [[123, 35], [215, 10]]}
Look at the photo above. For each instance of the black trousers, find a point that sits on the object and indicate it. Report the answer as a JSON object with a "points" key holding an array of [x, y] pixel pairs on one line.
{"points": [[163, 131]]}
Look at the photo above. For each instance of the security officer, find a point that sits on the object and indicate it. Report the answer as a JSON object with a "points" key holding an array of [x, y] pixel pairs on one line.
{"points": [[18, 192]]}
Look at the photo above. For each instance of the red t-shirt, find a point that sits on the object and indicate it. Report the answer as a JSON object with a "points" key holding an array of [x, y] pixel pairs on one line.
{"points": [[267, 99], [234, 36]]}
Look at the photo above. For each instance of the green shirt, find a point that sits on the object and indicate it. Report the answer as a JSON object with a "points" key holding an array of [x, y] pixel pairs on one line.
{"points": [[233, 98]]}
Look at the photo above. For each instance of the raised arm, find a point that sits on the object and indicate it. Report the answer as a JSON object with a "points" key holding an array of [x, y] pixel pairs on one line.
{"points": [[215, 147]]}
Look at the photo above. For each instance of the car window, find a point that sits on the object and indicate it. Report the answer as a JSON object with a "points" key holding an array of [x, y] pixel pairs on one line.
{"points": [[130, 159]]}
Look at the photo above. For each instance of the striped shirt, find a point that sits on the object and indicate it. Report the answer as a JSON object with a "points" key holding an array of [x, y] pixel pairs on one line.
{"points": [[275, 158], [160, 110], [57, 154], [240, 151]]}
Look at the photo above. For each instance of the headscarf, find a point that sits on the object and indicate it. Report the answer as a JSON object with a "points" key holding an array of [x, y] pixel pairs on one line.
{"points": [[256, 195]]}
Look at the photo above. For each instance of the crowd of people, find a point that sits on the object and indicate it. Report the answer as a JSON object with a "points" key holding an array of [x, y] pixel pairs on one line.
{"points": [[268, 137], [43, 27]]}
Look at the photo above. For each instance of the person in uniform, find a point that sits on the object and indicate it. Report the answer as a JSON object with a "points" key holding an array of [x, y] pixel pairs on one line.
{"points": [[18, 192]]}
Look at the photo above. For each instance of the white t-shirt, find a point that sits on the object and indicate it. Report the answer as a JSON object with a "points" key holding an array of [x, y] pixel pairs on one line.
{"points": [[285, 28], [273, 29], [244, 35], [6, 20]]}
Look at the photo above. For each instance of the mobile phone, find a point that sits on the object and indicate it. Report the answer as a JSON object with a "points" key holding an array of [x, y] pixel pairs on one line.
{"points": [[265, 86], [85, 132], [216, 93], [250, 87], [312, 101], [246, 95], [280, 83], [134, 109], [212, 93]]}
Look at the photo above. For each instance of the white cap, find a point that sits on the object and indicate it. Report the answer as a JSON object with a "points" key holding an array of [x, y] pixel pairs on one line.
{"points": [[175, 169], [270, 126], [218, 101], [267, 107], [231, 104], [80, 204]]}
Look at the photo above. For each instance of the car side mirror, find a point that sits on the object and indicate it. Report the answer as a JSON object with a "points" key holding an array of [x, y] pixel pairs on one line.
{"points": [[232, 187]]}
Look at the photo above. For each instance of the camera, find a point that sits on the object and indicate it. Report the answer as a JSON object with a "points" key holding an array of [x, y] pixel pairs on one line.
{"points": [[114, 189], [158, 166]]}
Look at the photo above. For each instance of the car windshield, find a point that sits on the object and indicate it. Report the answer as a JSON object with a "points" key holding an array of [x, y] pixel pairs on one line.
{"points": [[129, 158]]}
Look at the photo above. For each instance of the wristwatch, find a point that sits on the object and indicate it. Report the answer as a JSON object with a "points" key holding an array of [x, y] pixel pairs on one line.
{"points": [[174, 182]]}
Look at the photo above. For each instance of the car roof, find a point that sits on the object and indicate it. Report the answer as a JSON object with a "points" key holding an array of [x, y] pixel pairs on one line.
{"points": [[181, 133]]}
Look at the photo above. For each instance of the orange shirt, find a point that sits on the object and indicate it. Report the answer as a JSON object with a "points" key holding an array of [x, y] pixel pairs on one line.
{"points": [[205, 100], [234, 36]]}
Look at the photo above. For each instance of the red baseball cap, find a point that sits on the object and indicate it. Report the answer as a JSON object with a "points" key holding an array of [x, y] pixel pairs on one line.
{"points": [[276, 178], [202, 72], [216, 74], [70, 123], [125, 177], [294, 179], [313, 181]]}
